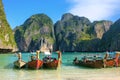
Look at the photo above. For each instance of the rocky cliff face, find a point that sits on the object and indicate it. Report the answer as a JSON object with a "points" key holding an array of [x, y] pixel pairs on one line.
{"points": [[111, 38], [36, 31], [100, 27], [70, 31], [7, 42], [74, 33]]}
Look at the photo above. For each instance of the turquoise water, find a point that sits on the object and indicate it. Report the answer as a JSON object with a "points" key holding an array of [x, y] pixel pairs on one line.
{"points": [[68, 71]]}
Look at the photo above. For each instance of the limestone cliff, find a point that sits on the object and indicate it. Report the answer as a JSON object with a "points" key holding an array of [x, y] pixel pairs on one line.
{"points": [[111, 38], [36, 31], [100, 27], [74, 33], [7, 42]]}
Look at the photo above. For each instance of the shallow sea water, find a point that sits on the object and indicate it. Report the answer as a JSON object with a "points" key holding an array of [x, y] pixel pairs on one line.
{"points": [[67, 71]]}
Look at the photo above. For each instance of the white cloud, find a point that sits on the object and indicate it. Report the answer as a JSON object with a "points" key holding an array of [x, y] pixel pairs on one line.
{"points": [[95, 9]]}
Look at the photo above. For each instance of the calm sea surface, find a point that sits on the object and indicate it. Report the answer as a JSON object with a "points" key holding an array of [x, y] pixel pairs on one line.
{"points": [[68, 71]]}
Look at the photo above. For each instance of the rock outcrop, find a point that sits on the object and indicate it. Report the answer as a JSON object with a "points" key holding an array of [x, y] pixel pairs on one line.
{"points": [[74, 33], [7, 42], [111, 38], [36, 31], [71, 33], [70, 30], [101, 27]]}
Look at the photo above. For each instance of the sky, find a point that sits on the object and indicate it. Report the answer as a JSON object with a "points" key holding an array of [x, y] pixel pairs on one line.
{"points": [[17, 11]]}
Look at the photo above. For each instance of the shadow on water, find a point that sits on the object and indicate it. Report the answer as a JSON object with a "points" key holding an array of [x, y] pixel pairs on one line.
{"points": [[9, 66]]}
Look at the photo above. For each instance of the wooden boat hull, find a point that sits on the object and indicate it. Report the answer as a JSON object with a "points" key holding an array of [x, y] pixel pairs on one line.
{"points": [[112, 63], [92, 64], [51, 65], [118, 62], [98, 63], [109, 63], [35, 64], [19, 64]]}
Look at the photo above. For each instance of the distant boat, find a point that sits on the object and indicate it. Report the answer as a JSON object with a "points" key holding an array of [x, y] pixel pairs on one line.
{"points": [[52, 63], [19, 63], [35, 63]]}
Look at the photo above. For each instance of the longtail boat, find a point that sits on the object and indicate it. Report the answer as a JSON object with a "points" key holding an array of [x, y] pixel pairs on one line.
{"points": [[48, 61], [119, 62], [52, 63], [108, 63], [35, 63], [112, 62], [93, 63], [19, 63], [100, 63]]}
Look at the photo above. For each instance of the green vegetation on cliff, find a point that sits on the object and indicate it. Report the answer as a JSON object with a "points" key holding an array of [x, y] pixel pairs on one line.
{"points": [[74, 33], [35, 30], [6, 35], [71, 33]]}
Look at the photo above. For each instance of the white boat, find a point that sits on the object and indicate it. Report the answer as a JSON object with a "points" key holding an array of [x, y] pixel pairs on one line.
{"points": [[19, 64]]}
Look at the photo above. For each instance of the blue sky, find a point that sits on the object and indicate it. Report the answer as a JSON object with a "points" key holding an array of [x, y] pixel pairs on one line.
{"points": [[17, 11]]}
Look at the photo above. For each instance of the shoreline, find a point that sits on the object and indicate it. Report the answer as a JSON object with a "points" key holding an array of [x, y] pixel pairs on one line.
{"points": [[62, 52]]}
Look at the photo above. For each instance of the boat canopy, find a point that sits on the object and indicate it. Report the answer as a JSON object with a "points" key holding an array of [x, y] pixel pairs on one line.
{"points": [[47, 53]]}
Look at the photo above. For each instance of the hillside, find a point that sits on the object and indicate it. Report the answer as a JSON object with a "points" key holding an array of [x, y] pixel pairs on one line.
{"points": [[71, 33], [111, 38], [74, 33], [36, 31], [7, 42]]}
